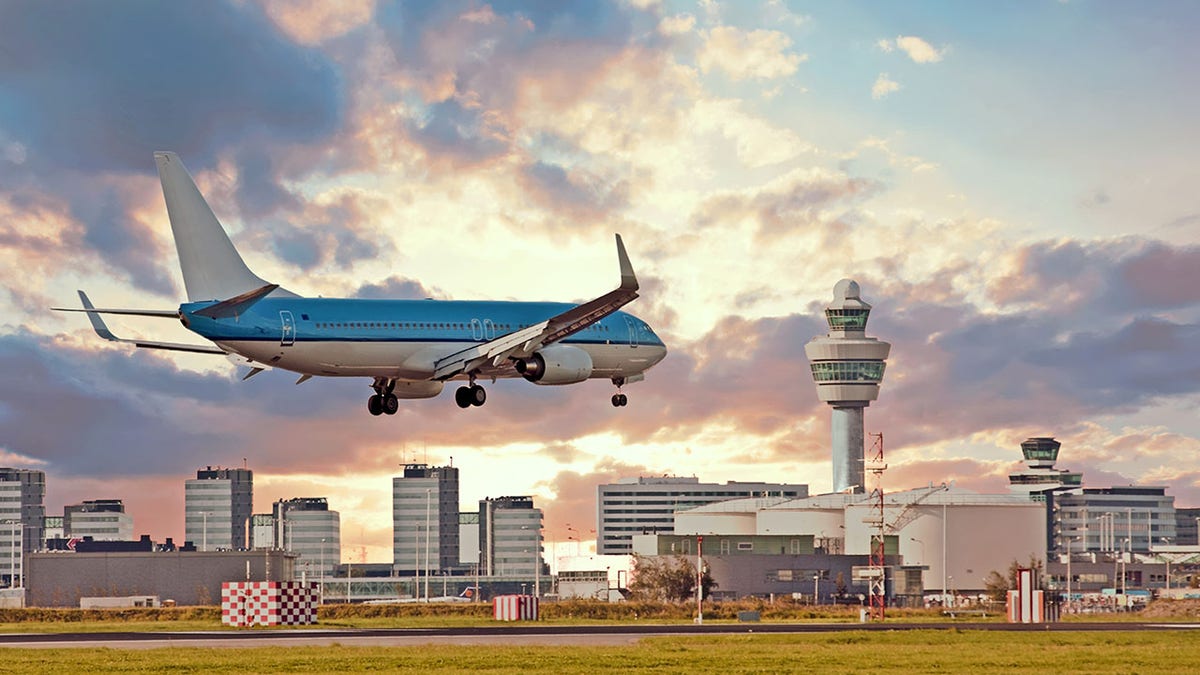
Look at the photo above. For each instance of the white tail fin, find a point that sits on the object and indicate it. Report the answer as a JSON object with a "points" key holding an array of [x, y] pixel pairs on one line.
{"points": [[212, 268]]}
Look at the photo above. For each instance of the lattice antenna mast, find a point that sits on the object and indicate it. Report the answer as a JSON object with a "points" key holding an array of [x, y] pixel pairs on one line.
{"points": [[875, 466]]}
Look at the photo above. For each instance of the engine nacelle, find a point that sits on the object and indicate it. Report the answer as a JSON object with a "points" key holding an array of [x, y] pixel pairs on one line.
{"points": [[417, 389], [556, 364]]}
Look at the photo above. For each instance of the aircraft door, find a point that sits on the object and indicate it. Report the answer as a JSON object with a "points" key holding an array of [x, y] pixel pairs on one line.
{"points": [[633, 332], [287, 336], [489, 330], [476, 329]]}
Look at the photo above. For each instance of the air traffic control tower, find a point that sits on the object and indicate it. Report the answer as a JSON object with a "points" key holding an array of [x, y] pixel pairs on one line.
{"points": [[847, 367]]}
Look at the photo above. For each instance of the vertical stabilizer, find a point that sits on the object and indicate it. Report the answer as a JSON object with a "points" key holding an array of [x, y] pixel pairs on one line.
{"points": [[212, 268]]}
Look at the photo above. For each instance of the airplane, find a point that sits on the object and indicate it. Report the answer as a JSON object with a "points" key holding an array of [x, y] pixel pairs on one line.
{"points": [[409, 348]]}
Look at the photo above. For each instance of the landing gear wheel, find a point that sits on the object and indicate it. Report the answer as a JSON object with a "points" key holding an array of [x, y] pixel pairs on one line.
{"points": [[390, 404], [477, 395], [462, 396], [375, 405], [620, 400]]}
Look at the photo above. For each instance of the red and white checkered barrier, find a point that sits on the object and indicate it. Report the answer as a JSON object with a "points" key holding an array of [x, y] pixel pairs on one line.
{"points": [[515, 607], [268, 603]]}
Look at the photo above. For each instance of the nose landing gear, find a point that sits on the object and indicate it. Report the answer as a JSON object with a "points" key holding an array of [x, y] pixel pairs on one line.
{"points": [[619, 400]]}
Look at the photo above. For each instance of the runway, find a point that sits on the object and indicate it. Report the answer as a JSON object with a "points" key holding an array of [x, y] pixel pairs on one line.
{"points": [[517, 634]]}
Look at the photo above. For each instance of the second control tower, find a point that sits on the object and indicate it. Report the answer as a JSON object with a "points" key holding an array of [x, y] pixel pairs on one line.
{"points": [[847, 367]]}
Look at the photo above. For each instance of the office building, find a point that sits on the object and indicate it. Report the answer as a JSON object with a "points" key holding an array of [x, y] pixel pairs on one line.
{"points": [[648, 505], [425, 526], [100, 519], [510, 537], [218, 504], [847, 367], [22, 519], [1113, 519], [305, 526], [1187, 526]]}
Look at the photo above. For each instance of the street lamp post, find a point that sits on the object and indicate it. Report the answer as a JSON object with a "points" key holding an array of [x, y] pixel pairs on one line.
{"points": [[816, 595]]}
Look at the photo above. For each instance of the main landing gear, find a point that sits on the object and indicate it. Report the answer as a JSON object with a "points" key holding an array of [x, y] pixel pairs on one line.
{"points": [[384, 402], [471, 395]]}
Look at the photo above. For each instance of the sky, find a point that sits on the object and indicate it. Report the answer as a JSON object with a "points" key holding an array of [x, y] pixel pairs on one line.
{"points": [[1013, 186]]}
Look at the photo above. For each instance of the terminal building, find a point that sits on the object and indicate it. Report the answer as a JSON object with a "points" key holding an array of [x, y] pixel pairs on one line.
{"points": [[634, 506]]}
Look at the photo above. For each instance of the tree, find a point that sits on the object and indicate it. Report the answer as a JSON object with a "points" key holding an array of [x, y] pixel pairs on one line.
{"points": [[667, 578], [997, 585]]}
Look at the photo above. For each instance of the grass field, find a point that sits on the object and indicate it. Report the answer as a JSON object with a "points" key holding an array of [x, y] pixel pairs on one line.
{"points": [[945, 651]]}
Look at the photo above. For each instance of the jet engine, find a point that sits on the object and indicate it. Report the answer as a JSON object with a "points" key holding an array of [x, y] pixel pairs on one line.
{"points": [[556, 364]]}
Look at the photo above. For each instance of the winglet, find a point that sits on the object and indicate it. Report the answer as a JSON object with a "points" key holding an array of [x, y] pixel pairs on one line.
{"points": [[98, 324], [629, 282]]}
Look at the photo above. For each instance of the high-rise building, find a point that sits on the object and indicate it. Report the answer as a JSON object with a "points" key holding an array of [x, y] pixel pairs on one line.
{"points": [[100, 519], [510, 537], [306, 526], [647, 505], [218, 504], [425, 519], [22, 519], [847, 367]]}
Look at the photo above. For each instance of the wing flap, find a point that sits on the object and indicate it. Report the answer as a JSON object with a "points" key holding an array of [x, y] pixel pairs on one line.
{"points": [[524, 342]]}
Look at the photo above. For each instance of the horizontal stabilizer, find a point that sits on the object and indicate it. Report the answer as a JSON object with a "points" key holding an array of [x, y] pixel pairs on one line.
{"points": [[236, 305], [162, 313], [102, 330]]}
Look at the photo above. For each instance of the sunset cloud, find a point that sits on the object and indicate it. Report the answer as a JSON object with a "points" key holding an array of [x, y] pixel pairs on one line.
{"points": [[466, 150]]}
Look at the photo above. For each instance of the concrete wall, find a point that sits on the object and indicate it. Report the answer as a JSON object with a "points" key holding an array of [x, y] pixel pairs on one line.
{"points": [[188, 578], [978, 538]]}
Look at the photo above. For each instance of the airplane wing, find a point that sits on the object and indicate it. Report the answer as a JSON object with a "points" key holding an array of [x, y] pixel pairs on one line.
{"points": [[526, 341], [102, 329]]}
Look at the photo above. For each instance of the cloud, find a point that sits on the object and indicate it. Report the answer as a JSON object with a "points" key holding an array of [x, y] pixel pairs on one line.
{"points": [[576, 192], [917, 49], [571, 513], [796, 201], [742, 55], [883, 86], [677, 24], [312, 22], [1105, 277], [148, 76]]}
